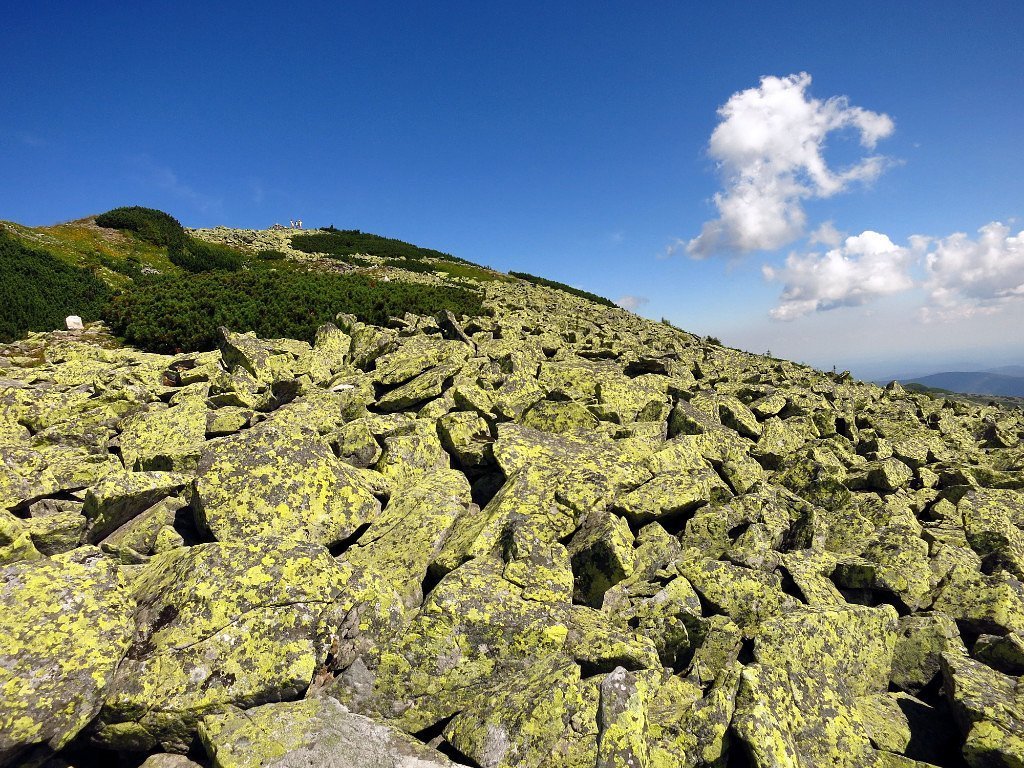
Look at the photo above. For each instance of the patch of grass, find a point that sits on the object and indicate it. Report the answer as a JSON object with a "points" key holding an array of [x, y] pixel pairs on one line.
{"points": [[410, 265], [349, 242], [183, 312], [450, 268], [472, 272], [271, 254], [38, 290], [563, 287]]}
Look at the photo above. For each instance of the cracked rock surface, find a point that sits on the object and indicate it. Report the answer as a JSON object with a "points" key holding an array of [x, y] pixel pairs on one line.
{"points": [[556, 534]]}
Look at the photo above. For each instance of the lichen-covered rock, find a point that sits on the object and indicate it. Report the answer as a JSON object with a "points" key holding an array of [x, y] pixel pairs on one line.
{"points": [[624, 735], [561, 416], [264, 360], [407, 537], [134, 541], [270, 481], [1005, 653], [164, 439], [65, 624], [466, 435], [548, 716], [691, 729], [797, 704], [991, 518], [415, 355], [474, 626], [987, 705], [921, 641], [602, 556], [168, 760], [984, 603], [227, 420], [121, 496], [407, 457], [318, 732], [747, 596], [672, 494], [233, 623]]}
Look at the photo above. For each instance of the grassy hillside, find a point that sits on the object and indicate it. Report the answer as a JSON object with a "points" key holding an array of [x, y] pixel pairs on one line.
{"points": [[115, 257], [38, 290]]}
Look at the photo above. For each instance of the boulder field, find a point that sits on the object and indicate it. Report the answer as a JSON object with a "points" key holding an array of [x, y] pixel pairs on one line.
{"points": [[553, 535]]}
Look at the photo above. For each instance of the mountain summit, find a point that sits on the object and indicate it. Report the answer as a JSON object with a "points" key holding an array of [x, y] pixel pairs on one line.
{"points": [[462, 517]]}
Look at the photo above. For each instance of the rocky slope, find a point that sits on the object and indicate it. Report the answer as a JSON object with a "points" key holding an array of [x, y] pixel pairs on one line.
{"points": [[555, 535]]}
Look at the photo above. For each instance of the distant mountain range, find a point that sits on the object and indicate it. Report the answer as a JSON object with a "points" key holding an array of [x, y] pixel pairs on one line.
{"points": [[1006, 381]]}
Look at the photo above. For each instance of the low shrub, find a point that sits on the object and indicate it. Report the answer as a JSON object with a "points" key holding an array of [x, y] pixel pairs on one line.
{"points": [[163, 229], [173, 313], [38, 290], [151, 225], [563, 287], [270, 254], [201, 256]]}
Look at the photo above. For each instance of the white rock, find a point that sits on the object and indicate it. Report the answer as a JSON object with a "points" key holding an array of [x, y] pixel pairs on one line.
{"points": [[73, 322]]}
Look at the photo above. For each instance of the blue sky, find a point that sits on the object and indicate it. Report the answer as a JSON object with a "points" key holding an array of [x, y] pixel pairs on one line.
{"points": [[574, 140]]}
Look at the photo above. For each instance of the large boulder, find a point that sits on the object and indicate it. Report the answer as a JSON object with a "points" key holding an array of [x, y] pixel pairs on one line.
{"points": [[546, 716], [988, 708], [797, 704], [233, 623], [121, 496], [301, 490], [65, 624], [314, 732]]}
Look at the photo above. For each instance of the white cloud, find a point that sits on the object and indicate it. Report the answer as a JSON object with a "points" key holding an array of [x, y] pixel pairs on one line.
{"points": [[769, 147], [967, 277], [865, 267], [632, 303], [826, 234]]}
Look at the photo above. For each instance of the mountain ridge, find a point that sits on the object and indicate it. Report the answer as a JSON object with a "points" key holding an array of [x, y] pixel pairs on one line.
{"points": [[527, 530]]}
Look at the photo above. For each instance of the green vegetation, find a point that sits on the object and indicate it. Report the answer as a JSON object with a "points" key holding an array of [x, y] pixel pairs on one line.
{"points": [[409, 264], [162, 229], [151, 225], [450, 268], [270, 254], [117, 257], [201, 256], [184, 312], [563, 287], [38, 290], [341, 243]]}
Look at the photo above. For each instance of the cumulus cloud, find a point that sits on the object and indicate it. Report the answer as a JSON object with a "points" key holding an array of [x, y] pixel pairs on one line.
{"points": [[630, 302], [967, 277], [769, 149], [864, 267]]}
